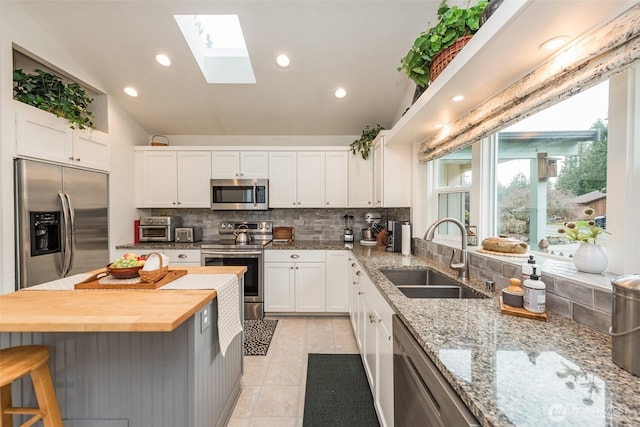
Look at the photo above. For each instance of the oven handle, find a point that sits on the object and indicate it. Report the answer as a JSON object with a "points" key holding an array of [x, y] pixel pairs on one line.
{"points": [[223, 253]]}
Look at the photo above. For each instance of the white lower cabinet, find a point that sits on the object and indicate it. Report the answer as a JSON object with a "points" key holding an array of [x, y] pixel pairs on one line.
{"points": [[371, 320], [177, 257], [294, 281], [337, 293]]}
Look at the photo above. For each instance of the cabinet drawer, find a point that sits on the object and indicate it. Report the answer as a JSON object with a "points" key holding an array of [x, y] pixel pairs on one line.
{"points": [[294, 256], [180, 256]]}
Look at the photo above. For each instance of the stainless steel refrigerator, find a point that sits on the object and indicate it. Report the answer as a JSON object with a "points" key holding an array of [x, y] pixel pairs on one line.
{"points": [[61, 221]]}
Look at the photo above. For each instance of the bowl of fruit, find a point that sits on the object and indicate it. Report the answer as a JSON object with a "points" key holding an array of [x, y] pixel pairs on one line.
{"points": [[126, 267]]}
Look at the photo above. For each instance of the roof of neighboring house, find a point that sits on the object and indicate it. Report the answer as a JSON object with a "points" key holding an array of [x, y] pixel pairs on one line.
{"points": [[590, 197]]}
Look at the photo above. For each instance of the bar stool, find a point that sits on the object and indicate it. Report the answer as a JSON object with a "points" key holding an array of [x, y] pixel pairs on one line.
{"points": [[15, 363]]}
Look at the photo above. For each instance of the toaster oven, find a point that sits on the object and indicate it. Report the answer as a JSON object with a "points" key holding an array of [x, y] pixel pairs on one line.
{"points": [[158, 228]]}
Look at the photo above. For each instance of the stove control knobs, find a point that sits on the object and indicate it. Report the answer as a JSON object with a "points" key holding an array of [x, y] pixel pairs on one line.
{"points": [[267, 226]]}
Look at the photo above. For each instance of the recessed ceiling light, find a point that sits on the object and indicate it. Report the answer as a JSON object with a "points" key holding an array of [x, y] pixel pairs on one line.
{"points": [[131, 91], [554, 43], [163, 60], [283, 60], [457, 98], [340, 93]]}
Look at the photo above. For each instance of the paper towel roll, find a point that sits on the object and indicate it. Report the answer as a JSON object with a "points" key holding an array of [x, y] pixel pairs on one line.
{"points": [[406, 239]]}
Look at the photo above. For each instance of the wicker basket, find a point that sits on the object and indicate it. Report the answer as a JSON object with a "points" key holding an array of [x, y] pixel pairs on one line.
{"points": [[154, 275], [441, 60]]}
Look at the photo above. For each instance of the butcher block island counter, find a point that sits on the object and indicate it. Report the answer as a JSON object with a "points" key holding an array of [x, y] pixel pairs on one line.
{"points": [[135, 357]]}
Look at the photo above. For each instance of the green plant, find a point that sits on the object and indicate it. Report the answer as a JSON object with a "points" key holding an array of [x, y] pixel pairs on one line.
{"points": [[453, 23], [585, 231], [48, 92], [363, 145]]}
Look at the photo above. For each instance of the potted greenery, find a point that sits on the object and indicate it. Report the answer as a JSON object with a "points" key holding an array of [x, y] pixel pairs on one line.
{"points": [[48, 92], [453, 23], [363, 144]]}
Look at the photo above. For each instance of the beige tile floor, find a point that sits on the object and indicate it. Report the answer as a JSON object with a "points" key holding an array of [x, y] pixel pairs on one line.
{"points": [[273, 386]]}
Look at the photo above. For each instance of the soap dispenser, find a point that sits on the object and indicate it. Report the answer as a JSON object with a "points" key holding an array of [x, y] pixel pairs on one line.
{"points": [[527, 267], [534, 293]]}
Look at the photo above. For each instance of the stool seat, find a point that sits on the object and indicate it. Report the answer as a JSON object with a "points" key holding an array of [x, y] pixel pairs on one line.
{"points": [[15, 363]]}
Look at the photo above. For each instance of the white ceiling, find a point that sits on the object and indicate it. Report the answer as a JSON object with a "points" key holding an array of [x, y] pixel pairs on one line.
{"points": [[356, 44]]}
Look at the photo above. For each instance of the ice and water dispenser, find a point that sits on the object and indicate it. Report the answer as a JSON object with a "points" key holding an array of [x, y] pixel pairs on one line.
{"points": [[45, 231]]}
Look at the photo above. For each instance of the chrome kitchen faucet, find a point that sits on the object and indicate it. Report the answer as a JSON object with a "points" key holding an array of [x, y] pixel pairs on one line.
{"points": [[462, 266]]}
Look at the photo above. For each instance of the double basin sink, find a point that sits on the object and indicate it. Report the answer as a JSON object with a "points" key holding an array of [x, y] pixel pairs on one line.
{"points": [[428, 283]]}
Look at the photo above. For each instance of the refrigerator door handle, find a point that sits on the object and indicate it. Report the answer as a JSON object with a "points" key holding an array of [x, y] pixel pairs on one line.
{"points": [[66, 235], [72, 231]]}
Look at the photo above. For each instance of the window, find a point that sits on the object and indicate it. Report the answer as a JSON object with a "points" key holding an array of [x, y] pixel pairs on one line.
{"points": [[453, 189], [550, 167]]}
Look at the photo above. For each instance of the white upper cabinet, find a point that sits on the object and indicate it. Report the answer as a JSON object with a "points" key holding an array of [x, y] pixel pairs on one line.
{"points": [[337, 178], [282, 179], [42, 135], [173, 179], [240, 164], [311, 179], [360, 181], [392, 174]]}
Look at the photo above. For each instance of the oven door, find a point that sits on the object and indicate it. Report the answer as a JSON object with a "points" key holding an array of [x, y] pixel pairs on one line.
{"points": [[152, 233], [253, 287], [239, 194]]}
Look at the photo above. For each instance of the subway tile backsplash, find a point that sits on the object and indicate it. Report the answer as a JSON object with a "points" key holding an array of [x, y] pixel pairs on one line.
{"points": [[309, 224], [583, 302]]}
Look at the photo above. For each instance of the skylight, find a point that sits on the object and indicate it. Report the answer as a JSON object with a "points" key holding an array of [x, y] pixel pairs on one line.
{"points": [[217, 44]]}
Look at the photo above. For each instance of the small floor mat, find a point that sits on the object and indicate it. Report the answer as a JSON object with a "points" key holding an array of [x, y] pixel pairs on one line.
{"points": [[257, 336], [337, 392]]}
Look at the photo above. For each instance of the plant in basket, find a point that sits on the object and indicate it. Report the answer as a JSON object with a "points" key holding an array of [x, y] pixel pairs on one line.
{"points": [[455, 27]]}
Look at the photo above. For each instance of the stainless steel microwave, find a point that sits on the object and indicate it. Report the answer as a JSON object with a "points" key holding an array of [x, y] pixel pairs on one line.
{"points": [[240, 194]]}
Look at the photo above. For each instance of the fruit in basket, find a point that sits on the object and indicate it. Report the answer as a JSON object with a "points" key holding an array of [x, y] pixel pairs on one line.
{"points": [[128, 260]]}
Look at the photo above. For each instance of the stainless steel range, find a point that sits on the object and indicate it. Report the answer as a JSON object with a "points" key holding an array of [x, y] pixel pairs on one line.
{"points": [[242, 243]]}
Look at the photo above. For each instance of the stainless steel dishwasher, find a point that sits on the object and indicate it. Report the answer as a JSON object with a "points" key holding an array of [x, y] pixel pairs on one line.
{"points": [[421, 394]]}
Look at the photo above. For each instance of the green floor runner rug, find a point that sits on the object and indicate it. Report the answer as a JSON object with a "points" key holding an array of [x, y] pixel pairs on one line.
{"points": [[337, 392]]}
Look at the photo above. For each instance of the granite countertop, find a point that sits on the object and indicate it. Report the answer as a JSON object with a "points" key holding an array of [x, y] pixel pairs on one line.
{"points": [[161, 245], [509, 370], [310, 245]]}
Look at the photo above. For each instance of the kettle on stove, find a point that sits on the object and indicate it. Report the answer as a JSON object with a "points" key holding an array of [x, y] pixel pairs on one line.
{"points": [[242, 235]]}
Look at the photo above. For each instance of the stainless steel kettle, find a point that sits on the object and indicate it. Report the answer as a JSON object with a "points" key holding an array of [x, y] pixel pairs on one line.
{"points": [[242, 235]]}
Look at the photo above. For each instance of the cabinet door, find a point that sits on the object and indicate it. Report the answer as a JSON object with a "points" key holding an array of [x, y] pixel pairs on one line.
{"points": [[194, 178], [254, 164], [337, 289], [337, 179], [159, 179], [310, 287], [378, 172], [360, 181], [91, 149], [282, 179], [42, 135], [370, 344], [225, 164], [353, 295], [278, 286], [311, 179]]}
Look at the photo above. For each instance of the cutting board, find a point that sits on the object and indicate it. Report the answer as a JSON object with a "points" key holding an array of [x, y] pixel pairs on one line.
{"points": [[283, 234], [93, 282], [521, 312]]}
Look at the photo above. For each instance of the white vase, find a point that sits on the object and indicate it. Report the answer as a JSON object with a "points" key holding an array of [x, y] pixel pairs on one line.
{"points": [[590, 258]]}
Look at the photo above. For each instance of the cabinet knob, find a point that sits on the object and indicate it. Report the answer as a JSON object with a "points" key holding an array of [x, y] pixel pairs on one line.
{"points": [[295, 256], [353, 264], [237, 174], [291, 267], [77, 159], [182, 256], [71, 158], [369, 203], [372, 318], [360, 293], [358, 273], [173, 203], [327, 203], [296, 268], [298, 202]]}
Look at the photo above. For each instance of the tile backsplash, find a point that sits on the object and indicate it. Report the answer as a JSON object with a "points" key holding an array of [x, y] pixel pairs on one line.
{"points": [[309, 224], [585, 298]]}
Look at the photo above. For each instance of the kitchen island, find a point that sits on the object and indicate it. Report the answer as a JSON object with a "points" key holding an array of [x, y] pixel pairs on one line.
{"points": [[130, 357], [509, 370]]}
